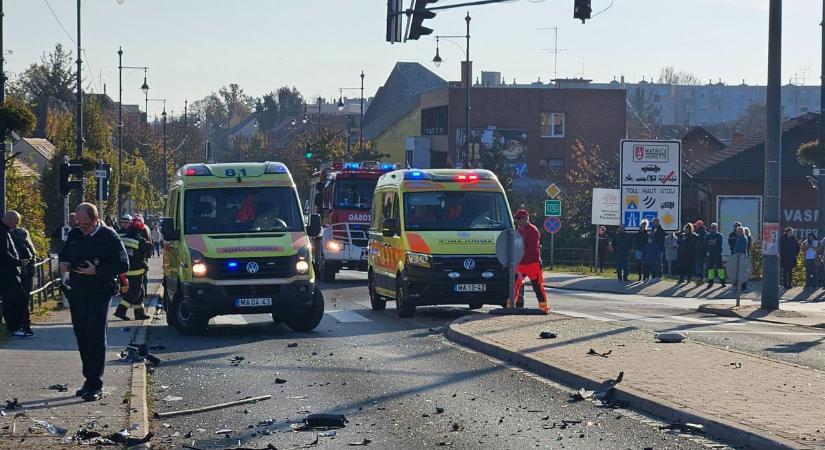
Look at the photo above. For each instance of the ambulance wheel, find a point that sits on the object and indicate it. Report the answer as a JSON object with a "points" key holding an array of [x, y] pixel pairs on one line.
{"points": [[167, 305], [476, 305], [327, 270], [309, 319], [402, 301], [187, 321], [378, 302]]}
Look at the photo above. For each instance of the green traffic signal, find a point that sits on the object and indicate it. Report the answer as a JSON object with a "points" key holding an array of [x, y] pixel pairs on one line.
{"points": [[308, 155]]}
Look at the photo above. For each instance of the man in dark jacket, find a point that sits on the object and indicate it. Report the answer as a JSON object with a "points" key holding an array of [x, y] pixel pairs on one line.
{"points": [[15, 297], [732, 236], [639, 242], [621, 244], [659, 236], [713, 244], [701, 250], [25, 250], [788, 252], [93, 256]]}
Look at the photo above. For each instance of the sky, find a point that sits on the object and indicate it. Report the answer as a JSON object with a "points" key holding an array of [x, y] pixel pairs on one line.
{"points": [[193, 47]]}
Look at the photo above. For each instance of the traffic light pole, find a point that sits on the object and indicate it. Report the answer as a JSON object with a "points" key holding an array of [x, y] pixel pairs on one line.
{"points": [[79, 97], [469, 76]]}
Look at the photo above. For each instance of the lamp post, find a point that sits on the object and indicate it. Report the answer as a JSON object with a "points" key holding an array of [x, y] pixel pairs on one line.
{"points": [[79, 95], [360, 123], [145, 89], [465, 160], [165, 170], [306, 117]]}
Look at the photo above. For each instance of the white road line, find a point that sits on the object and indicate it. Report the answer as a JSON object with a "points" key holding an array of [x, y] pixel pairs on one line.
{"points": [[641, 318], [581, 315], [347, 315], [778, 333], [692, 320], [234, 319]]}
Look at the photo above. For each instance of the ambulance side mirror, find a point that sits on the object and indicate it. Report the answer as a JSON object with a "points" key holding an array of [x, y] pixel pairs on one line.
{"points": [[167, 227], [314, 229], [389, 227]]}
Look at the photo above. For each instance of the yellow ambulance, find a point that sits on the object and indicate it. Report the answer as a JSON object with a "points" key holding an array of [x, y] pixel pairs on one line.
{"points": [[237, 243], [433, 239]]}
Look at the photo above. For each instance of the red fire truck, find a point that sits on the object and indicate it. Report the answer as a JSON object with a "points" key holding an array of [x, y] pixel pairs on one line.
{"points": [[342, 195]]}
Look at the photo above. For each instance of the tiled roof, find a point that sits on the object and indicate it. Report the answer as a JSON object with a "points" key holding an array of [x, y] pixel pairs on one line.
{"points": [[42, 146], [398, 96], [23, 170], [745, 160]]}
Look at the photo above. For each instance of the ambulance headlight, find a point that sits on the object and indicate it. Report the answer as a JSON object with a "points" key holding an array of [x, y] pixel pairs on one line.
{"points": [[302, 265], [419, 259], [199, 269]]}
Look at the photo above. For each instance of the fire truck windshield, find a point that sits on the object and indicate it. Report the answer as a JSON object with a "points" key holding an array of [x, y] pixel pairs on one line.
{"points": [[354, 194]]}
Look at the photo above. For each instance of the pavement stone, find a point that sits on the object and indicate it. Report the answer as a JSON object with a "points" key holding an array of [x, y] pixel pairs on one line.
{"points": [[770, 404], [29, 366]]}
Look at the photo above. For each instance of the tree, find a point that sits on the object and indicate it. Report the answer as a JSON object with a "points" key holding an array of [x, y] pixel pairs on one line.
{"points": [[591, 169], [277, 106], [236, 102], [50, 81], [753, 121], [642, 116], [812, 153], [16, 116], [669, 75], [23, 195]]}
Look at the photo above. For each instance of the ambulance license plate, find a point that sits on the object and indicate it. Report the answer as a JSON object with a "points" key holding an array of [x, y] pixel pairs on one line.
{"points": [[252, 302], [470, 287]]}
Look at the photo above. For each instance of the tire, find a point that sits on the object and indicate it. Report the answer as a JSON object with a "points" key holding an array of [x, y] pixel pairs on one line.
{"points": [[276, 318], [402, 301], [378, 302], [309, 319], [168, 305], [476, 305], [327, 272], [186, 321]]}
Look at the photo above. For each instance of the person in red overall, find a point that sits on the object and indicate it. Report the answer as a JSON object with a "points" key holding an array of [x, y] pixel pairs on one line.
{"points": [[530, 265]]}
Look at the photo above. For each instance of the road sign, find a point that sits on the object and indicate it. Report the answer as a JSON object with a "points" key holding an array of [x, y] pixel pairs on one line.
{"points": [[552, 208], [552, 225], [552, 191], [509, 247], [650, 178], [605, 209], [101, 173]]}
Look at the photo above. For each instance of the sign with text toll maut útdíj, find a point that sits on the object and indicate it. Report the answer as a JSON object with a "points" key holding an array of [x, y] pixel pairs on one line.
{"points": [[651, 179]]}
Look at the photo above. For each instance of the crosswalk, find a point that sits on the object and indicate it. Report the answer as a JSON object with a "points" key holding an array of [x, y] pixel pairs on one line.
{"points": [[615, 316]]}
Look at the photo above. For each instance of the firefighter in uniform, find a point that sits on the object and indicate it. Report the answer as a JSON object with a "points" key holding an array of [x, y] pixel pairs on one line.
{"points": [[132, 291], [530, 264], [93, 256]]}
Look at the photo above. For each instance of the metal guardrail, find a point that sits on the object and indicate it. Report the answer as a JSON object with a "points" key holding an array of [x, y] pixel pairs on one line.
{"points": [[45, 284]]}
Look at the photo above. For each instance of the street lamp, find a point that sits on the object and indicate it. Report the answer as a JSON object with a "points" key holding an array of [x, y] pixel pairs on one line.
{"points": [[165, 160], [305, 119], [465, 160], [145, 89], [360, 123]]}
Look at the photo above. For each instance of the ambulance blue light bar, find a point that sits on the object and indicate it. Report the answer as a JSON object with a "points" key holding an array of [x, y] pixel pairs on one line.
{"points": [[195, 170], [416, 175], [276, 168], [352, 166]]}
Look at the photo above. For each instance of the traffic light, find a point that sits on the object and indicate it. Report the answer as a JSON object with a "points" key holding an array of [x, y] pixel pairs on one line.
{"points": [[68, 168], [308, 154], [419, 14], [103, 172], [582, 10], [395, 22]]}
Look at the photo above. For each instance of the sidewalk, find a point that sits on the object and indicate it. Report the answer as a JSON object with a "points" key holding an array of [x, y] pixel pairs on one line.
{"points": [[739, 398], [29, 366], [798, 306]]}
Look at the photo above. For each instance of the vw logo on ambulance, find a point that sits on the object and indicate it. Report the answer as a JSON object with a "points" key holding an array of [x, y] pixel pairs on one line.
{"points": [[252, 267]]}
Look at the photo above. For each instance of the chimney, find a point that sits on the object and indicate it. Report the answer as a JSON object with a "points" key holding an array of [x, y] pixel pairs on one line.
{"points": [[737, 137], [622, 79], [464, 79]]}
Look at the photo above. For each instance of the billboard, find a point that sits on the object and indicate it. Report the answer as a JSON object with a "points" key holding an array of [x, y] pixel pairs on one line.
{"points": [[650, 178], [511, 142]]}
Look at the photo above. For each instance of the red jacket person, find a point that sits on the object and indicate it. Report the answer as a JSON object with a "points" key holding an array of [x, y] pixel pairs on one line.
{"points": [[530, 265]]}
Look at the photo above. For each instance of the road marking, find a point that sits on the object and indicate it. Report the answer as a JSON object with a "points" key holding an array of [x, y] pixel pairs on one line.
{"points": [[347, 315], [233, 319], [641, 318], [581, 315], [777, 333], [692, 320]]}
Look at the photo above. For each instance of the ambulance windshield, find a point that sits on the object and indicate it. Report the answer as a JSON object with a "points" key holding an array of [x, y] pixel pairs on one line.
{"points": [[456, 210], [241, 210]]}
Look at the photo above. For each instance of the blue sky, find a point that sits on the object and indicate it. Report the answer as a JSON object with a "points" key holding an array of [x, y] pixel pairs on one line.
{"points": [[194, 47]]}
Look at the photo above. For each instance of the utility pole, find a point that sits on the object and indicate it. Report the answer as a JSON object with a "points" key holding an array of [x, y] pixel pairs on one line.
{"points": [[773, 153], [119, 132], [361, 121], [165, 176], [3, 150], [185, 132], [820, 185], [467, 95], [79, 121]]}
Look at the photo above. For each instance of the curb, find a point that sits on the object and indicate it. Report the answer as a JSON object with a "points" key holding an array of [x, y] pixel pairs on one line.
{"points": [[710, 309], [722, 429], [138, 405]]}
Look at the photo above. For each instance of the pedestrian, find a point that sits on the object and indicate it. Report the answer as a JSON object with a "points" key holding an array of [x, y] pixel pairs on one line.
{"points": [[809, 246], [741, 246], [530, 264], [621, 245], [123, 224], [15, 298], [93, 256], [701, 250], [686, 252], [733, 235], [57, 234], [788, 252], [639, 242], [652, 258], [749, 237], [138, 250], [659, 236], [25, 250], [713, 245], [601, 241], [157, 238]]}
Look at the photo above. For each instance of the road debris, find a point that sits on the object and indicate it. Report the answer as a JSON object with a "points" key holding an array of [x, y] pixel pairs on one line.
{"points": [[13, 404], [279, 381], [670, 337], [212, 407], [736, 365], [604, 391], [363, 442], [603, 355], [50, 428], [684, 427], [324, 421], [138, 352], [236, 360], [547, 335], [292, 344], [59, 387], [172, 398], [439, 410]]}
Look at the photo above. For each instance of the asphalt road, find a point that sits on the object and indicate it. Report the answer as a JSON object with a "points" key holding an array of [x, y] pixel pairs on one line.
{"points": [[399, 382]]}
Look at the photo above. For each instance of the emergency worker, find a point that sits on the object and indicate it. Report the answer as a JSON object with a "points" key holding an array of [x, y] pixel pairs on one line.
{"points": [[138, 250], [530, 264]]}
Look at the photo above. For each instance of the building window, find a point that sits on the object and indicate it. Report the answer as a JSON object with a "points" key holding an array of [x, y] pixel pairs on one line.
{"points": [[434, 121], [552, 124], [409, 158]]}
